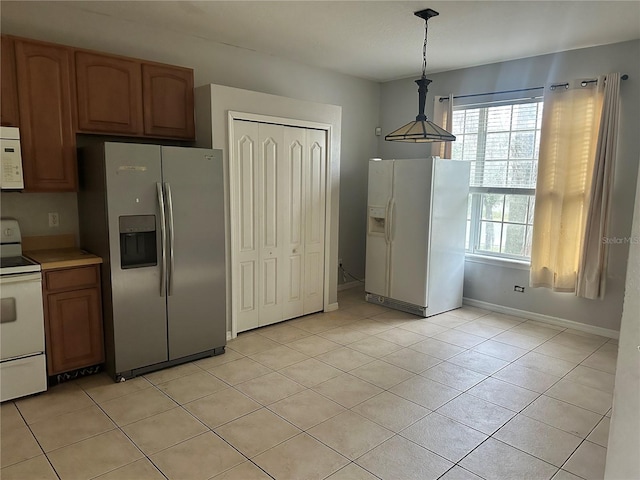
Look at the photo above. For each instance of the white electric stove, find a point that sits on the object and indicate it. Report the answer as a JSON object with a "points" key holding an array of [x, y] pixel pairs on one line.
{"points": [[23, 366]]}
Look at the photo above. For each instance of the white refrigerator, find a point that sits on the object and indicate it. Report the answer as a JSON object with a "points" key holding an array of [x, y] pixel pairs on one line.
{"points": [[416, 223]]}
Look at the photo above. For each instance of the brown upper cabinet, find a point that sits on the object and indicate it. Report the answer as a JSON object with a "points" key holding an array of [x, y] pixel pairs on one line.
{"points": [[53, 91], [125, 96], [109, 94], [45, 101], [9, 116], [168, 101]]}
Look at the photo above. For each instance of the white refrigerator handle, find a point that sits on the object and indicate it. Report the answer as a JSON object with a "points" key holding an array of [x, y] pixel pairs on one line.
{"points": [[389, 221], [171, 236], [163, 240], [386, 221]]}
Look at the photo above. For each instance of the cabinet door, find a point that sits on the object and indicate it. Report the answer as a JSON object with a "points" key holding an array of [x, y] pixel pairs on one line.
{"points": [[109, 94], [168, 101], [46, 125], [74, 336], [9, 100]]}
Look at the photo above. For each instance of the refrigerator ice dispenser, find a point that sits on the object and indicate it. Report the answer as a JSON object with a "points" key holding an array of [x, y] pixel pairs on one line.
{"points": [[138, 241]]}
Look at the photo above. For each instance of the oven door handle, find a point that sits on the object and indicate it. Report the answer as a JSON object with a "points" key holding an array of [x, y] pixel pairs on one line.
{"points": [[20, 278]]}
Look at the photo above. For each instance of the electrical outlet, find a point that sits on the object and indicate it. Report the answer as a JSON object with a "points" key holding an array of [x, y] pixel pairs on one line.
{"points": [[54, 219], [518, 288]]}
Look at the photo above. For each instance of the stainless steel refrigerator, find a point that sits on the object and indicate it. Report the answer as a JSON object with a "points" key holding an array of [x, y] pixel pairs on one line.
{"points": [[155, 214], [415, 234]]}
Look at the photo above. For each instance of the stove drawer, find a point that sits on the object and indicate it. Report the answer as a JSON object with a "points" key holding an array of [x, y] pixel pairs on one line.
{"points": [[22, 376]]}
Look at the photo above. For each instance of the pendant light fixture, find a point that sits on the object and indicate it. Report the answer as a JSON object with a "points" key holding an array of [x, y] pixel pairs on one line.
{"points": [[422, 129]]}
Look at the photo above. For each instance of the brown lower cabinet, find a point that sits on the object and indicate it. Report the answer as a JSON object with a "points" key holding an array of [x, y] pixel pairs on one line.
{"points": [[73, 318]]}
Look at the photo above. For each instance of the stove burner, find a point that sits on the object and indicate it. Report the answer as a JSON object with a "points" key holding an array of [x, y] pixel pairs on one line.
{"points": [[14, 265], [10, 262]]}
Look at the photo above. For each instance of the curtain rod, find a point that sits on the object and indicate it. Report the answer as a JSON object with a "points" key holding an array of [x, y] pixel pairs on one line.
{"points": [[584, 84]]}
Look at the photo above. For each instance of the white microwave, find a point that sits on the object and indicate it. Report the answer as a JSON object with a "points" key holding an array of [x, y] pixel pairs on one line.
{"points": [[11, 177]]}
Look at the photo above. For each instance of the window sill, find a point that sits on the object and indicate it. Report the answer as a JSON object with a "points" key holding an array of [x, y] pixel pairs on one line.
{"points": [[498, 262]]}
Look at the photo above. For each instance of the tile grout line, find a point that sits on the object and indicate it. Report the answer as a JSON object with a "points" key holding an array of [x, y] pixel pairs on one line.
{"points": [[144, 455], [539, 395], [36, 440], [383, 390], [263, 406], [306, 431], [490, 375], [508, 445], [208, 429]]}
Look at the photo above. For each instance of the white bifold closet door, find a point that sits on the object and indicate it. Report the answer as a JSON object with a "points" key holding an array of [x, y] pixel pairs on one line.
{"points": [[278, 220]]}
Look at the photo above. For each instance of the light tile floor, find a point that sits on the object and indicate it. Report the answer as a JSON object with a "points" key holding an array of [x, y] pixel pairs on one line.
{"points": [[360, 393]]}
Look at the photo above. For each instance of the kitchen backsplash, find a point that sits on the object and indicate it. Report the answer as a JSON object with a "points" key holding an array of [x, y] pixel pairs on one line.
{"points": [[32, 212]]}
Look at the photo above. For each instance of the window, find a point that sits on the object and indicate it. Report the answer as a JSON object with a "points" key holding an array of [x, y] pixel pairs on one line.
{"points": [[501, 140]]}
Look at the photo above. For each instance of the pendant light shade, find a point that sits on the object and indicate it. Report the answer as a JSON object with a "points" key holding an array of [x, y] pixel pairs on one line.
{"points": [[422, 130]]}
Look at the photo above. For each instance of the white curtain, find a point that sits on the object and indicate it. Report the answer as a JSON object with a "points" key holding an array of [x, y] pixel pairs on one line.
{"points": [[443, 117], [569, 132], [593, 256]]}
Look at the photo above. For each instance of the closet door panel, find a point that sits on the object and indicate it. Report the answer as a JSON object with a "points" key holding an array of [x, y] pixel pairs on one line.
{"points": [[294, 215], [271, 188], [315, 180], [245, 192]]}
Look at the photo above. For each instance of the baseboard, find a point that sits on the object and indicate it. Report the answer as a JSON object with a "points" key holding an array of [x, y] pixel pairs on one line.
{"points": [[561, 322], [348, 285], [229, 336], [331, 307]]}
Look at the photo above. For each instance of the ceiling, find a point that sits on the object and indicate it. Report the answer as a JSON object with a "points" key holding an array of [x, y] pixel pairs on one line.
{"points": [[382, 40]]}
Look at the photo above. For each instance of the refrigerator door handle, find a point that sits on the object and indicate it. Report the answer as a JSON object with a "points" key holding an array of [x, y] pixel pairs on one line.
{"points": [[167, 187], [389, 222], [163, 240], [386, 222]]}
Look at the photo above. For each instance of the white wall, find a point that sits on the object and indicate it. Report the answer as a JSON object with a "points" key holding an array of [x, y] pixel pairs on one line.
{"points": [[623, 461], [230, 66], [494, 284], [32, 212]]}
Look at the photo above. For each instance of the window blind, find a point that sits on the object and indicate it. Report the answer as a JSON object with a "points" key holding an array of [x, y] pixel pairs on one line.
{"points": [[501, 142]]}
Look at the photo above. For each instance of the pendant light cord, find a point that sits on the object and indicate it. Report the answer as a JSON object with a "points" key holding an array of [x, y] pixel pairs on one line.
{"points": [[424, 49], [421, 130]]}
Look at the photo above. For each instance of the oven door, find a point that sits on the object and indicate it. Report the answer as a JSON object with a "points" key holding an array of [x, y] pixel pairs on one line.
{"points": [[21, 317]]}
